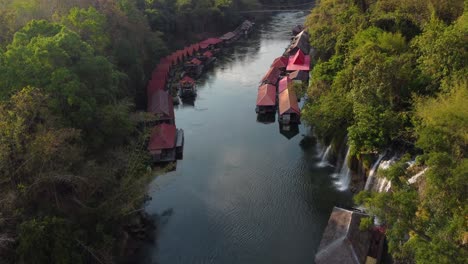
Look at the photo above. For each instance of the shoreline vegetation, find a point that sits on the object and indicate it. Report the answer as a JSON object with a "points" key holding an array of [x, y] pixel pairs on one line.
{"points": [[74, 169], [392, 75]]}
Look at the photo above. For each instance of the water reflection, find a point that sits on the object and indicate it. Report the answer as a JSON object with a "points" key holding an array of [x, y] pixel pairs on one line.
{"points": [[242, 194], [289, 131], [266, 118]]}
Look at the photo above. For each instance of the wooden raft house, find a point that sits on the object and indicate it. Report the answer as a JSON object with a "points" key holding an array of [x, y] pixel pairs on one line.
{"points": [[160, 104], [266, 99], [187, 87], [298, 62], [194, 68], [166, 143], [288, 110], [271, 77]]}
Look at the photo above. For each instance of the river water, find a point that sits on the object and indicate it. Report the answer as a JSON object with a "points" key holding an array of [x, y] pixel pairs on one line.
{"points": [[244, 193]]}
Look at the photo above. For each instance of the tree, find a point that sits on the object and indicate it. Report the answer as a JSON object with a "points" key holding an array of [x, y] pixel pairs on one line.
{"points": [[49, 56]]}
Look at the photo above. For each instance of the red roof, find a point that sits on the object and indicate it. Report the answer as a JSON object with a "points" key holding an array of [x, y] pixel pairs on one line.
{"points": [[280, 62], [266, 95], [160, 103], [187, 79], [195, 61], [288, 103], [174, 57], [196, 46], [190, 50], [180, 55], [271, 76], [155, 84], [208, 54], [284, 84], [162, 68], [211, 41], [161, 74], [186, 51], [299, 62], [163, 136]]}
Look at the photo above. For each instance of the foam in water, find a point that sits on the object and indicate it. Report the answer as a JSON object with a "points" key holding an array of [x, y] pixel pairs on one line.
{"points": [[344, 176]]}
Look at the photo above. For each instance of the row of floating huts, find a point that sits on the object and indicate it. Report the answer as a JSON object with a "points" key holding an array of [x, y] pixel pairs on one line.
{"points": [[276, 92], [174, 79]]}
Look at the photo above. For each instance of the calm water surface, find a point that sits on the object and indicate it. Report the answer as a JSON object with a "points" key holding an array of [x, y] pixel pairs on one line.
{"points": [[244, 193]]}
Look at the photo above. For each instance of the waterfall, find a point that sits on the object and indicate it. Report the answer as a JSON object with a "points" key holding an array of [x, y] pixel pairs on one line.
{"points": [[324, 160], [344, 175], [372, 172], [416, 177], [381, 184]]}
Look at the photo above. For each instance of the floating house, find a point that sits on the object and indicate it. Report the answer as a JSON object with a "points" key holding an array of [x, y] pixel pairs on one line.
{"points": [[187, 87], [299, 76], [155, 84], [280, 63], [266, 99], [166, 143], [288, 110], [284, 84], [246, 27], [298, 62], [299, 42], [342, 241], [297, 29], [194, 68], [229, 38], [160, 104], [271, 77], [211, 43]]}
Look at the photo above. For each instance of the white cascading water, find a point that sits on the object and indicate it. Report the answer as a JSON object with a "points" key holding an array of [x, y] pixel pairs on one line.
{"points": [[373, 172], [344, 175], [381, 184], [324, 160]]}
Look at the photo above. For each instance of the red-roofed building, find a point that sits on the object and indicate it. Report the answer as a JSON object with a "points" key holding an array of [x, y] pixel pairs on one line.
{"points": [[280, 63], [266, 99], [272, 76], [299, 76], [194, 68], [163, 136], [211, 42], [229, 37], [208, 54], [288, 109], [155, 84], [187, 87], [160, 104], [284, 84], [190, 51], [166, 143], [299, 62]]}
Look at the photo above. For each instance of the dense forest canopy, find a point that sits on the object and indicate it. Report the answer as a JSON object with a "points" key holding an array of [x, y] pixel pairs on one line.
{"points": [[392, 74], [73, 164]]}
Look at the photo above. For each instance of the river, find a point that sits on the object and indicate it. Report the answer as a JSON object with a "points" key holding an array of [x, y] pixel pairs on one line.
{"points": [[244, 193]]}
